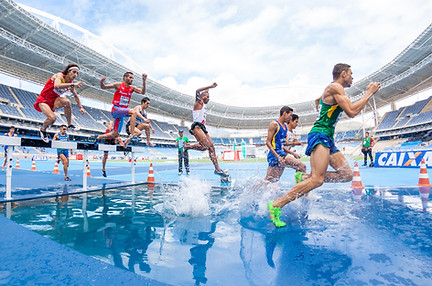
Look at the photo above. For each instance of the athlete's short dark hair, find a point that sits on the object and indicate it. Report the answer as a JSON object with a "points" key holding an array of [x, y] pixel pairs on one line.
{"points": [[127, 74], [286, 109], [145, 99], [294, 117], [338, 69]]}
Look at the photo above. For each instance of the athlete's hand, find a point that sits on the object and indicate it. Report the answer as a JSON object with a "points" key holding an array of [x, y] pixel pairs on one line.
{"points": [[102, 79], [373, 87], [144, 76], [82, 110], [214, 85], [153, 130], [79, 84]]}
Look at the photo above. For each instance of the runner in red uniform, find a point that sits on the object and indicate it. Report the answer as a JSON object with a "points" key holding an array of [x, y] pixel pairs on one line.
{"points": [[121, 99], [51, 98]]}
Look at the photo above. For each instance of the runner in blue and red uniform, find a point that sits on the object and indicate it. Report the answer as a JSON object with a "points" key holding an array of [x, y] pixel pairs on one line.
{"points": [[121, 100]]}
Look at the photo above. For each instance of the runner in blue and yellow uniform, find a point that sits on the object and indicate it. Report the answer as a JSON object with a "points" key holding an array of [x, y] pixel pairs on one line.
{"points": [[63, 154], [321, 147], [276, 143]]}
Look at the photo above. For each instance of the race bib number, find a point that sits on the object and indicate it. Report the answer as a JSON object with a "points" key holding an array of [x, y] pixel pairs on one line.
{"points": [[124, 100]]}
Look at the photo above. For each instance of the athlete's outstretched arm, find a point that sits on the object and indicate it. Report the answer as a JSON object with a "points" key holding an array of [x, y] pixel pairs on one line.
{"points": [[199, 90], [115, 85], [352, 109], [143, 89]]}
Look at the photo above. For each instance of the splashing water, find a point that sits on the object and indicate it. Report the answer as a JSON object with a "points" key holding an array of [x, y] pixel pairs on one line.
{"points": [[190, 198]]}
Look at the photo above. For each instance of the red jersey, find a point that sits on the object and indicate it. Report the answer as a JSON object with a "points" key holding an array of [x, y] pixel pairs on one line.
{"points": [[122, 96], [49, 94]]}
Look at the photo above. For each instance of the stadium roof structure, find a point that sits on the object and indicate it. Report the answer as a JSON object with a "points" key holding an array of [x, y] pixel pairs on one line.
{"points": [[32, 50]]}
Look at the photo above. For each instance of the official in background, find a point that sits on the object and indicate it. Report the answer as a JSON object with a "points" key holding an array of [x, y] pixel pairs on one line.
{"points": [[183, 155]]}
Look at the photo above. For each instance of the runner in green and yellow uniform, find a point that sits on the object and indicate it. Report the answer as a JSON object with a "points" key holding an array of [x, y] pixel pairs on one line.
{"points": [[321, 147]]}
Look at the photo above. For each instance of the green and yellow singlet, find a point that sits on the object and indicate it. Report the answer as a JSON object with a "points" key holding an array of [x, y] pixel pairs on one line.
{"points": [[328, 116]]}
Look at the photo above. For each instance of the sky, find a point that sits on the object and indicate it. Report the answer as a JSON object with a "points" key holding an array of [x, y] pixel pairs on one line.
{"points": [[260, 53]]}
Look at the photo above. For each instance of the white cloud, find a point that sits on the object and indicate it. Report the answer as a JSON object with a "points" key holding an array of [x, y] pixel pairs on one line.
{"points": [[247, 45]]}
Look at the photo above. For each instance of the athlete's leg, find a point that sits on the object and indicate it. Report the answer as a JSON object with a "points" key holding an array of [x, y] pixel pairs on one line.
{"points": [[319, 161], [112, 134], [5, 159], [294, 163], [212, 152], [64, 161], [64, 102], [104, 159], [137, 131], [201, 137], [51, 117], [274, 174], [342, 171], [132, 114]]}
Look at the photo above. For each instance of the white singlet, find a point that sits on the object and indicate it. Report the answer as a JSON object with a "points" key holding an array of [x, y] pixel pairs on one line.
{"points": [[200, 114]]}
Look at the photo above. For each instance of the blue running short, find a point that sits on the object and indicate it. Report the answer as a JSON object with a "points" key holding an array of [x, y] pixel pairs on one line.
{"points": [[65, 152], [316, 138], [272, 160]]}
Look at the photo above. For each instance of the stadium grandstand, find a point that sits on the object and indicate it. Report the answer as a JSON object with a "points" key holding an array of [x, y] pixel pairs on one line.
{"points": [[33, 50]]}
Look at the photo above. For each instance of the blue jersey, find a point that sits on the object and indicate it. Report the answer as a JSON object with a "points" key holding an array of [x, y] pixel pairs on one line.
{"points": [[277, 142], [63, 138]]}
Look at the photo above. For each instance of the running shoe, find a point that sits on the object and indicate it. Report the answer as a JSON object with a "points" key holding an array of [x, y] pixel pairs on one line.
{"points": [[187, 173], [104, 174], [179, 173], [371, 164], [298, 177], [44, 135], [222, 173], [67, 179], [275, 215]]}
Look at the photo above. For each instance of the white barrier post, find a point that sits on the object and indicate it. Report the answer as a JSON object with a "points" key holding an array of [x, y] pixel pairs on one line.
{"points": [[9, 173], [133, 166], [9, 141], [85, 164]]}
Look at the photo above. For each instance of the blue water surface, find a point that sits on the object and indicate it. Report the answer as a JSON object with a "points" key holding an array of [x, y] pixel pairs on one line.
{"points": [[195, 233]]}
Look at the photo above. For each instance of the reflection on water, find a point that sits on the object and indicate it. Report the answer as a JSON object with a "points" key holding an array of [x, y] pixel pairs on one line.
{"points": [[193, 234]]}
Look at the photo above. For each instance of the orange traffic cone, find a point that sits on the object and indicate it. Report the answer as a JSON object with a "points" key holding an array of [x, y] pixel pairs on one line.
{"points": [[33, 167], [88, 170], [151, 179], [56, 170], [17, 166], [423, 178], [356, 181]]}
